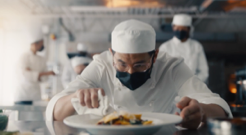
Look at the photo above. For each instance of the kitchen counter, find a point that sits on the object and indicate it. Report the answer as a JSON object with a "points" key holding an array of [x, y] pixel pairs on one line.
{"points": [[59, 128]]}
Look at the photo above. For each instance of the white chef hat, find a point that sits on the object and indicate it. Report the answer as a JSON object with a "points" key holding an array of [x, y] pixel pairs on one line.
{"points": [[79, 60], [182, 20], [81, 47], [133, 36], [35, 36]]}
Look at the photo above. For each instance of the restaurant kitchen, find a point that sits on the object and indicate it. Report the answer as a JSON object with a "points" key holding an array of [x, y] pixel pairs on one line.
{"points": [[219, 26]]}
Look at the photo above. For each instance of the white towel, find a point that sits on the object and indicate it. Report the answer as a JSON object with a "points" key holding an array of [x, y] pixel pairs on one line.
{"points": [[102, 110]]}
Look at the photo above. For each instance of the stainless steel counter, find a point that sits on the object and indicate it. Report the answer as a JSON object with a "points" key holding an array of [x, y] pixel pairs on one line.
{"points": [[59, 128]]}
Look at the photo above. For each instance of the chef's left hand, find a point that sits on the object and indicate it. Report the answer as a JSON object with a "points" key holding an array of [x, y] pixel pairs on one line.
{"points": [[191, 113]]}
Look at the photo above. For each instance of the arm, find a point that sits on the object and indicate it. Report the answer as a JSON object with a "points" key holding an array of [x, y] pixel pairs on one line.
{"points": [[84, 87], [197, 101], [202, 67]]}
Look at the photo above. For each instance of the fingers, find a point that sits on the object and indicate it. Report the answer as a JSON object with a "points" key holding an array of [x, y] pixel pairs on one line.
{"points": [[94, 98], [193, 107], [192, 121], [89, 97], [80, 95], [183, 102]]}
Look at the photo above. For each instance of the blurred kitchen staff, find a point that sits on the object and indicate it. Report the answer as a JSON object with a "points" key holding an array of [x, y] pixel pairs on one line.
{"points": [[140, 79], [68, 72], [31, 71], [79, 64], [182, 45]]}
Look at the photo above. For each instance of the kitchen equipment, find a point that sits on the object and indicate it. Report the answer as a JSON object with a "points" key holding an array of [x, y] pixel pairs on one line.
{"points": [[238, 108], [3, 120], [89, 121], [227, 126]]}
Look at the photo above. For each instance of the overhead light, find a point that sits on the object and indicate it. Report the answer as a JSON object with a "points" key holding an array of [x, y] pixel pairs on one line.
{"points": [[97, 9], [132, 3]]}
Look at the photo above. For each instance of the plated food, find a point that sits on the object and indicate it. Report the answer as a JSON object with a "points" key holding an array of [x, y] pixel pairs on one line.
{"points": [[123, 118]]}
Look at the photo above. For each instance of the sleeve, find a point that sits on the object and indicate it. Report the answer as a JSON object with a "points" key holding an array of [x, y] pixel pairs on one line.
{"points": [[202, 67], [90, 78], [31, 76], [189, 85]]}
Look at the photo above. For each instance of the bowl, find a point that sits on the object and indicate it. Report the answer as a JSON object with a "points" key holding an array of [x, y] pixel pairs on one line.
{"points": [[3, 121]]}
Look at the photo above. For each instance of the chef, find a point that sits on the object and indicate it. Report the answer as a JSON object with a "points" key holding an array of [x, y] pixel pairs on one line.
{"points": [[181, 45], [140, 78], [31, 71], [79, 64], [68, 72]]}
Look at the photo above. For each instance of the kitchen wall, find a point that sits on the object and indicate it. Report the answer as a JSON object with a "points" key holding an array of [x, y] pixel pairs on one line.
{"points": [[95, 33]]}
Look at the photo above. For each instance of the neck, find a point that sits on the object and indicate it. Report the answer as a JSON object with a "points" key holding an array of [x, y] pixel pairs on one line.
{"points": [[183, 40]]}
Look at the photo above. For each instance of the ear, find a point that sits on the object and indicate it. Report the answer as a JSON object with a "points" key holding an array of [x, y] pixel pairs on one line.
{"points": [[111, 51], [156, 54]]}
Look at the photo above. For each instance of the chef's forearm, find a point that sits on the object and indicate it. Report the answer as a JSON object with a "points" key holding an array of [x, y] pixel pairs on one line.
{"points": [[212, 110], [63, 107]]}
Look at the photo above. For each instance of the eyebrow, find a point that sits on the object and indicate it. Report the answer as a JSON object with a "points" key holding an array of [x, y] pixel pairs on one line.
{"points": [[142, 61], [121, 61]]}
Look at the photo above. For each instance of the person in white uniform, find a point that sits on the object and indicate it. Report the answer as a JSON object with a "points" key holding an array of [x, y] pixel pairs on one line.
{"points": [[31, 71], [79, 64], [140, 79], [68, 72], [181, 45]]}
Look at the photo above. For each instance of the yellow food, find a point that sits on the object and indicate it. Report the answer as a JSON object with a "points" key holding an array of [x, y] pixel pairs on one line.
{"points": [[123, 118]]}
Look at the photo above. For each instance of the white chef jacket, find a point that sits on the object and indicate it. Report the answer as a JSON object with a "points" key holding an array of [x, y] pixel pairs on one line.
{"points": [[192, 52], [170, 78], [68, 74], [28, 87]]}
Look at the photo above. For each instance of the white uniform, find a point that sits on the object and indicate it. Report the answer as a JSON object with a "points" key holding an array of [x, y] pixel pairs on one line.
{"points": [[170, 78], [28, 88], [68, 74], [192, 52]]}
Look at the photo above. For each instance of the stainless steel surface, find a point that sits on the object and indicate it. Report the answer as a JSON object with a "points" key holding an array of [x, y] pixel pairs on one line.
{"points": [[226, 126], [59, 128]]}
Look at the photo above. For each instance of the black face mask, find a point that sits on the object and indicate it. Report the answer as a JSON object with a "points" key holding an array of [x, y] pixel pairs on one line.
{"points": [[135, 80], [181, 34], [42, 48]]}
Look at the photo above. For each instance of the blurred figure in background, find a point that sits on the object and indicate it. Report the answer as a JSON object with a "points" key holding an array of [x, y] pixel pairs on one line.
{"points": [[69, 73], [31, 71], [82, 50], [79, 64], [181, 45]]}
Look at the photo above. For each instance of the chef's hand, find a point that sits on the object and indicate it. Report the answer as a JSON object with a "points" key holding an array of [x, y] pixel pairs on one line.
{"points": [[89, 97], [191, 113]]}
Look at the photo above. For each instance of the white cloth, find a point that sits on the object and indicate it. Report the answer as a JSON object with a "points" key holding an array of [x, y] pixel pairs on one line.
{"points": [[75, 61], [102, 110], [182, 20], [170, 78], [192, 52], [133, 36], [28, 87]]}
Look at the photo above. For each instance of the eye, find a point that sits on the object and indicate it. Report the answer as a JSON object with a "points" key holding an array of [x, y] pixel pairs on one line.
{"points": [[139, 65]]}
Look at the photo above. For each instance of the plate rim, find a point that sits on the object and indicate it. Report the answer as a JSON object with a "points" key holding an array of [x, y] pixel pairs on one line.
{"points": [[179, 119]]}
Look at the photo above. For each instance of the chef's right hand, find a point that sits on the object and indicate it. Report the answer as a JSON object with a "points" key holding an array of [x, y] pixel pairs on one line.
{"points": [[89, 97]]}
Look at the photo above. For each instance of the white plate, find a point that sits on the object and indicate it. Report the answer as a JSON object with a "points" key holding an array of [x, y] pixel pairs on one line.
{"points": [[88, 122]]}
